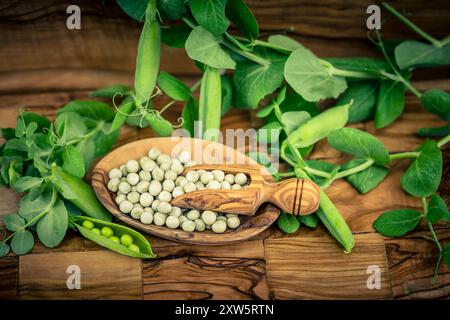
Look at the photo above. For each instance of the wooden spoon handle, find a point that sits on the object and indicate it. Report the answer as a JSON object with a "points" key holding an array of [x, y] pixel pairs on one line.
{"points": [[295, 196]]}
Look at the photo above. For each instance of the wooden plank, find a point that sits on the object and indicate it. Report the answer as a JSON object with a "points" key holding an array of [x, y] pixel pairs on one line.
{"points": [[104, 275], [193, 277], [310, 267], [9, 203], [412, 260], [8, 277]]}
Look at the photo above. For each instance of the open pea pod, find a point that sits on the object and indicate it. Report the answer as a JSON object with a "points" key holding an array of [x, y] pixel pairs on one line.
{"points": [[119, 230]]}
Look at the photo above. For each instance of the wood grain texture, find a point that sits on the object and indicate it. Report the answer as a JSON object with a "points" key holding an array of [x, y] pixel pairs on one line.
{"points": [[104, 275], [193, 277], [8, 277], [302, 267]]}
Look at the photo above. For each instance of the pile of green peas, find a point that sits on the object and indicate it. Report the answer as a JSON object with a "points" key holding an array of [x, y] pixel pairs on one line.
{"points": [[125, 239], [145, 187]]}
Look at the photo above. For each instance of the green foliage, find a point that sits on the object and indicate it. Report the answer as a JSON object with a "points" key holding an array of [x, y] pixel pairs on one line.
{"points": [[365, 180], [173, 87], [244, 20], [390, 103], [288, 223], [418, 54], [364, 96], [397, 223], [210, 14], [437, 102]]}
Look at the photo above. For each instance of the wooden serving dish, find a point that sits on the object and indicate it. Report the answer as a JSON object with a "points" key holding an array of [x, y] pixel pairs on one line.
{"points": [[205, 151]]}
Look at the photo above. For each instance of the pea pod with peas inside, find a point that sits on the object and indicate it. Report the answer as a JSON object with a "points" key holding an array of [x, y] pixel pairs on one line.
{"points": [[210, 103], [114, 237]]}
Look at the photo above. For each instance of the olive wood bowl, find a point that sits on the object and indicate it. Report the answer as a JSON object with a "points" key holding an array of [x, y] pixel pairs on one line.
{"points": [[202, 151]]}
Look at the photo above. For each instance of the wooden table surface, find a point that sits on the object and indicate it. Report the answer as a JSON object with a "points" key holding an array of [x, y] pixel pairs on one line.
{"points": [[43, 65]]}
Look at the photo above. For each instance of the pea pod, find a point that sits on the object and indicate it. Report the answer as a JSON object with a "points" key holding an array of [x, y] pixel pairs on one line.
{"points": [[119, 230], [79, 193], [209, 111], [161, 126], [147, 61], [319, 126]]}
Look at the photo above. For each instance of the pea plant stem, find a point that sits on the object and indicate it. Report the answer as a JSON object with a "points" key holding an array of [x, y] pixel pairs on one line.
{"points": [[412, 26], [443, 141], [400, 155], [248, 55]]}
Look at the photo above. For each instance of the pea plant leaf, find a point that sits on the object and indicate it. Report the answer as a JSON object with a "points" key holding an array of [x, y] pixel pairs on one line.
{"points": [[434, 132], [203, 46], [25, 183], [4, 249], [364, 96], [306, 74], [73, 161], [310, 220], [13, 222], [134, 8], [270, 132], [173, 87], [52, 227], [171, 9], [322, 166], [175, 36], [253, 81], [288, 44], [360, 64], [31, 207], [94, 110], [110, 91], [437, 102], [366, 180], [244, 20], [390, 104], [210, 14], [360, 144], [423, 176], [446, 254], [190, 115], [288, 223], [69, 126], [437, 210], [293, 119], [397, 223], [227, 93], [22, 242], [418, 54], [125, 108]]}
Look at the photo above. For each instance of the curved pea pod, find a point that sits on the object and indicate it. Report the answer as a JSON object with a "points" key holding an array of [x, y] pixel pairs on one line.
{"points": [[210, 103], [148, 55], [161, 126], [79, 193], [319, 126], [119, 230]]}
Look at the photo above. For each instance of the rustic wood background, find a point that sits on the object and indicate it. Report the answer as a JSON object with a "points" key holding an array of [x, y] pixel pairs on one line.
{"points": [[43, 65]]}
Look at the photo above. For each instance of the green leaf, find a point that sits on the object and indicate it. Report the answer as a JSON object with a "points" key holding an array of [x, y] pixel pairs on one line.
{"points": [[269, 132], [294, 102], [190, 115], [437, 210], [264, 112], [171, 9], [360, 64], [310, 220], [103, 143], [244, 20], [364, 96], [293, 119], [94, 110], [423, 176], [322, 166], [88, 150], [360, 144], [110, 91], [52, 227], [13, 222], [227, 93], [160, 126], [397, 223], [69, 126], [175, 36], [446, 254], [31, 207], [8, 133], [126, 107], [210, 14], [25, 183], [288, 223], [390, 104], [29, 117], [418, 54], [366, 180], [173, 87], [4, 249], [203, 46], [253, 81], [437, 102], [134, 8], [73, 161], [434, 132], [307, 75], [288, 44], [22, 242]]}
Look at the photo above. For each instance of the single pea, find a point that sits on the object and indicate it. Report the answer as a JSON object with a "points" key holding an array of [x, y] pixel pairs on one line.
{"points": [[124, 187], [148, 165], [176, 166], [229, 178], [206, 177], [155, 204], [179, 180], [176, 212], [148, 209], [119, 198], [126, 206], [87, 224], [190, 163], [96, 230], [164, 207], [209, 217], [233, 222], [213, 184], [218, 175], [107, 232], [240, 179], [177, 191], [182, 219], [114, 239], [221, 218], [123, 168], [146, 199], [142, 186], [133, 197], [142, 160], [153, 153], [158, 174], [200, 172], [113, 184], [163, 158], [168, 185], [199, 185], [199, 225], [193, 214], [184, 156], [189, 187], [229, 215], [172, 222], [170, 175], [126, 240], [219, 226], [133, 178], [225, 185], [165, 166], [115, 173], [146, 217], [236, 186], [134, 248], [132, 166], [159, 219], [192, 176], [165, 196], [145, 176], [136, 213], [188, 226], [154, 188]]}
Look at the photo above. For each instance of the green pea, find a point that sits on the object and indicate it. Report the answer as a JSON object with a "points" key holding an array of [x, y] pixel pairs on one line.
{"points": [[96, 231], [114, 239], [126, 240], [107, 232], [134, 248], [88, 224], [209, 111]]}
